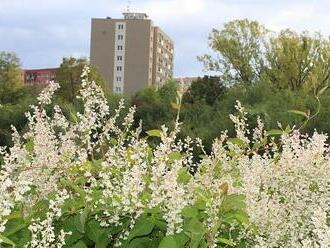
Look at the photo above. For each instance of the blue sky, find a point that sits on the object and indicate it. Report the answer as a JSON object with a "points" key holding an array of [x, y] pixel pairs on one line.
{"points": [[41, 32]]}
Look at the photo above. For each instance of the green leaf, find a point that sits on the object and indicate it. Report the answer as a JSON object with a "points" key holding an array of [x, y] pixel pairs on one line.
{"points": [[80, 220], [190, 212], [15, 229], [274, 132], [181, 239], [39, 210], [15, 224], [174, 241], [73, 205], [200, 204], [73, 117], [140, 243], [196, 230], [260, 144], [97, 233], [14, 215], [238, 142], [161, 224], [79, 244], [233, 202], [29, 145], [168, 242], [297, 112], [183, 176], [154, 133], [113, 141], [174, 155], [21, 237], [228, 242], [143, 226], [68, 225], [242, 217], [73, 186], [287, 129], [6, 240]]}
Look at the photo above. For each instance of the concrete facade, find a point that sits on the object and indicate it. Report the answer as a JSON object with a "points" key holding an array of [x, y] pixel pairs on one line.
{"points": [[131, 53], [163, 57]]}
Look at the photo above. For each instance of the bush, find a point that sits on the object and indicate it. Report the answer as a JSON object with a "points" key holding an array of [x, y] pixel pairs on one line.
{"points": [[96, 182]]}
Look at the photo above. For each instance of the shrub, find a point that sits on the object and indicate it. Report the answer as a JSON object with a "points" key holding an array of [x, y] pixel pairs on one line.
{"points": [[96, 182]]}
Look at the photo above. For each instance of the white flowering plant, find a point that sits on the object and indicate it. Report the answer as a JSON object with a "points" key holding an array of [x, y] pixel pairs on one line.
{"points": [[96, 182]]}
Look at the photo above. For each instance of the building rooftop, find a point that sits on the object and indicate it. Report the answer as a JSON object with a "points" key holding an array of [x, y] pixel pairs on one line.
{"points": [[135, 15]]}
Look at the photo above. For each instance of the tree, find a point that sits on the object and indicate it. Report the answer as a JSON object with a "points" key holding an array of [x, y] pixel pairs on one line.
{"points": [[239, 47], [68, 76], [154, 106], [15, 97], [247, 53], [298, 61], [208, 89], [11, 79]]}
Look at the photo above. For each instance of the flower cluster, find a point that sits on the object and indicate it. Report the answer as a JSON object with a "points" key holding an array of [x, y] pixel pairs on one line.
{"points": [[287, 189], [65, 178], [42, 231]]}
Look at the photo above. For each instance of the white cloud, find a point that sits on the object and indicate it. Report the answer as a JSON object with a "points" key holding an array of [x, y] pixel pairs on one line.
{"points": [[174, 10]]}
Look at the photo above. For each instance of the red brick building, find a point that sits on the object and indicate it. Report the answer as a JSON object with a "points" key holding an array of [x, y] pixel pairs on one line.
{"points": [[40, 77]]}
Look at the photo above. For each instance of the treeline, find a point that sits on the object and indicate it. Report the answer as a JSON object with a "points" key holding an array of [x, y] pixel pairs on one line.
{"points": [[270, 73], [282, 77]]}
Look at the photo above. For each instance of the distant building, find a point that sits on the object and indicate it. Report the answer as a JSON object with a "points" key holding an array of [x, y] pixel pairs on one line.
{"points": [[131, 53], [39, 77]]}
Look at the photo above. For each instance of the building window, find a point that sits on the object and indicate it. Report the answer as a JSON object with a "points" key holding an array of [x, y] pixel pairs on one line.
{"points": [[120, 37], [120, 26], [119, 58], [119, 68], [118, 89], [119, 47], [118, 79]]}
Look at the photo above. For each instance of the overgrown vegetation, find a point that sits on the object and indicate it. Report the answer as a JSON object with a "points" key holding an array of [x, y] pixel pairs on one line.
{"points": [[96, 182], [86, 173]]}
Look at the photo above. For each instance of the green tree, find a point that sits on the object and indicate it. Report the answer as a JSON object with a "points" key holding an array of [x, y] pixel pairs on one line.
{"points": [[208, 89], [15, 97], [68, 76], [11, 78], [298, 61], [239, 47], [154, 106]]}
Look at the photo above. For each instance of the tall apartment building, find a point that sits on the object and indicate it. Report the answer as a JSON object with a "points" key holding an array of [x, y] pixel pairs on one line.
{"points": [[131, 53]]}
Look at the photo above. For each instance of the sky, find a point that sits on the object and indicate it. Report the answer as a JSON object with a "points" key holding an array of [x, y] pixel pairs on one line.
{"points": [[42, 32]]}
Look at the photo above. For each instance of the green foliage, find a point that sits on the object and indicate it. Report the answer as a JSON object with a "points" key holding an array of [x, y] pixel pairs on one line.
{"points": [[11, 79], [248, 53], [239, 44], [298, 61], [68, 76], [282, 91], [154, 106], [209, 89], [15, 97]]}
